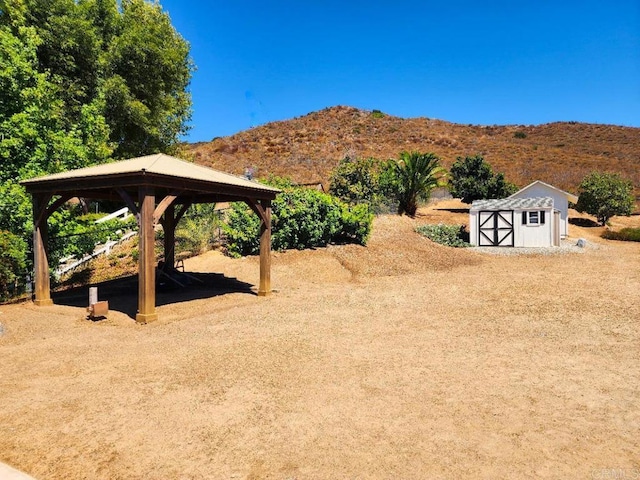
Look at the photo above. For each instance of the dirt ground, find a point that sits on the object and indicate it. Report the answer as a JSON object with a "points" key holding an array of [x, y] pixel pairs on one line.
{"points": [[404, 359]]}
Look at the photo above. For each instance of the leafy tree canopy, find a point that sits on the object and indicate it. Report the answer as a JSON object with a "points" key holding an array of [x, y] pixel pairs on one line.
{"points": [[118, 71], [81, 82], [473, 179], [605, 195], [364, 180]]}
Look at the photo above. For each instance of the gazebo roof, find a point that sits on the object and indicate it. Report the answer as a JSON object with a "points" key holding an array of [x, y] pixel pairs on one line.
{"points": [[157, 170]]}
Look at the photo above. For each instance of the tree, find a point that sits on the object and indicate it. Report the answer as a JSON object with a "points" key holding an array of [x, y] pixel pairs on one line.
{"points": [[123, 57], [148, 71], [369, 181], [355, 180], [81, 82], [12, 261], [473, 179], [417, 174], [605, 195]]}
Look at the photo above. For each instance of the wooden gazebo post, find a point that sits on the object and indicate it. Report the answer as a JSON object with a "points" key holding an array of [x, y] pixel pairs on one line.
{"points": [[147, 265], [40, 261], [265, 249]]}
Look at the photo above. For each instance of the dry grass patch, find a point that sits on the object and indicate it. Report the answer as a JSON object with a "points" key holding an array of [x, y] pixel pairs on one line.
{"points": [[435, 362]]}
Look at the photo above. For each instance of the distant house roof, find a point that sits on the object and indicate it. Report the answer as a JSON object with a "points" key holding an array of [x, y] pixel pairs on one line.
{"points": [[572, 198], [513, 203]]}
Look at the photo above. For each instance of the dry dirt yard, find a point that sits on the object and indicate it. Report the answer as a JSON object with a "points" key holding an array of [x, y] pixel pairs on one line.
{"points": [[404, 359]]}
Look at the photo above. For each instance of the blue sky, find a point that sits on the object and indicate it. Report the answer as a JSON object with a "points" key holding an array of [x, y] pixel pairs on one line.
{"points": [[480, 62]]}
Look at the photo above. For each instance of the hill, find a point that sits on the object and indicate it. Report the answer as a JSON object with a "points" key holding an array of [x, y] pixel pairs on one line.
{"points": [[307, 148]]}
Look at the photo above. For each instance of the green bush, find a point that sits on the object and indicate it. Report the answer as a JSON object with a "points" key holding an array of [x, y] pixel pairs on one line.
{"points": [[301, 218], [605, 195], [13, 256], [626, 235], [199, 230], [449, 235], [364, 180], [520, 134]]}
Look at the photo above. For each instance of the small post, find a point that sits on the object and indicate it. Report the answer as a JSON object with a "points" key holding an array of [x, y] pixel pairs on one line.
{"points": [[93, 295]]}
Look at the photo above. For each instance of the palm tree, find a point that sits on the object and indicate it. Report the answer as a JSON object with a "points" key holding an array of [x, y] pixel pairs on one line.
{"points": [[417, 174]]}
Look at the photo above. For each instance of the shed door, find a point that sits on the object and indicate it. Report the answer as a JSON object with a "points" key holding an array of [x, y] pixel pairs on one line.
{"points": [[495, 228]]}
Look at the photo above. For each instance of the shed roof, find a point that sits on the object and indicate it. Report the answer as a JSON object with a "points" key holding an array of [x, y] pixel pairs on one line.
{"points": [[513, 203], [572, 198]]}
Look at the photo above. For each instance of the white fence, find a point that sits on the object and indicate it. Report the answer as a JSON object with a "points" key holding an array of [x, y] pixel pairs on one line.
{"points": [[105, 249]]}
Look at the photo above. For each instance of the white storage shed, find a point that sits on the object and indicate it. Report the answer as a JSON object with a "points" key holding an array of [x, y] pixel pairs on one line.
{"points": [[514, 222], [536, 216]]}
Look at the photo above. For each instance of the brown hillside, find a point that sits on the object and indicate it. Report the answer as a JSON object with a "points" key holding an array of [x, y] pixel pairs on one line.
{"points": [[309, 147]]}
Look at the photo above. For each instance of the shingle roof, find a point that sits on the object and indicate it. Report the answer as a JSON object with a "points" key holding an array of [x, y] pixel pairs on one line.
{"points": [[158, 164], [513, 203]]}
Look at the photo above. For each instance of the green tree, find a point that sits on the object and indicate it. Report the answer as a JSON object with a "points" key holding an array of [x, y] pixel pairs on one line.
{"points": [[605, 195], [12, 261], [124, 57], [148, 70], [417, 174], [81, 82], [471, 178], [355, 180]]}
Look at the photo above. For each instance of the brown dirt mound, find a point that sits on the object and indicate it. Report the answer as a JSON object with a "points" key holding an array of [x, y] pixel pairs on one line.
{"points": [[396, 249]]}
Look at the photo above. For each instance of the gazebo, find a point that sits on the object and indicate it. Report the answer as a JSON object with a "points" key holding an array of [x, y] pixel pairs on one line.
{"points": [[157, 189]]}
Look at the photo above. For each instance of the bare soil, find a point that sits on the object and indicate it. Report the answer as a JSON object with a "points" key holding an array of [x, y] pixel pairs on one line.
{"points": [[404, 359]]}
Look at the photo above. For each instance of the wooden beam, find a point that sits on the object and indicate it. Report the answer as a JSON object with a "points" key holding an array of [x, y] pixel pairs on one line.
{"points": [[146, 255], [169, 226], [265, 249], [258, 209], [40, 262], [183, 209], [46, 212], [130, 203], [164, 204]]}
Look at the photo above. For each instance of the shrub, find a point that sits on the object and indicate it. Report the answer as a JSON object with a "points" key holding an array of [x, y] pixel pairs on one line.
{"points": [[520, 134], [301, 218], [377, 114], [449, 235], [13, 255], [199, 230], [605, 195], [363, 180], [356, 225], [626, 235]]}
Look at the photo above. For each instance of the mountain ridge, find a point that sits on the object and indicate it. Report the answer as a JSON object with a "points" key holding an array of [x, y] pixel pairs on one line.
{"points": [[308, 148]]}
